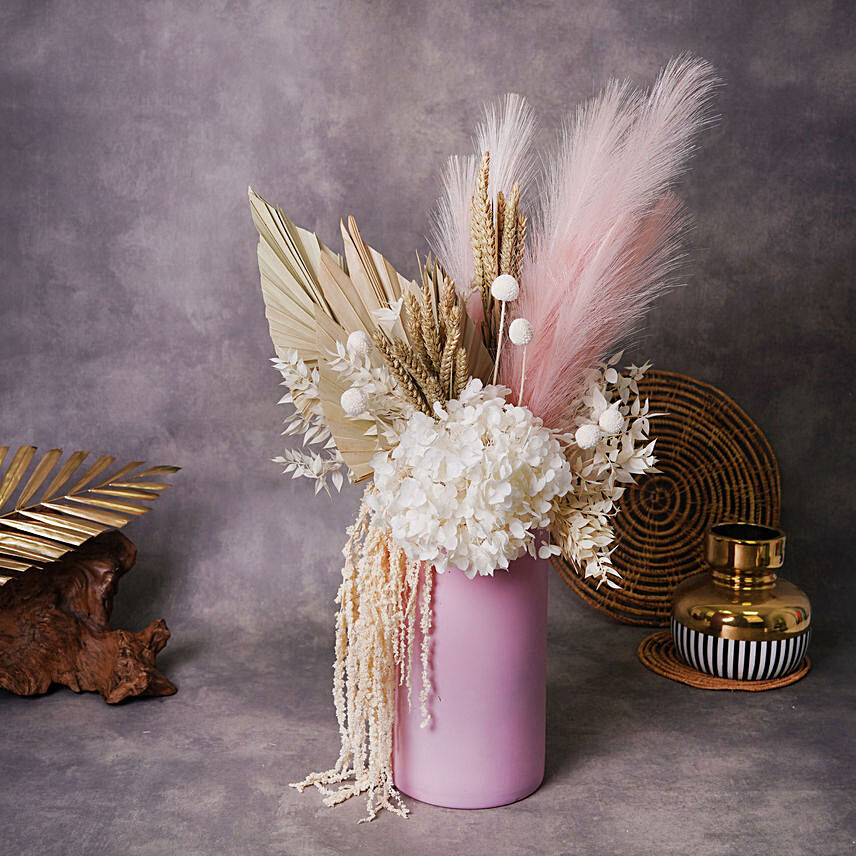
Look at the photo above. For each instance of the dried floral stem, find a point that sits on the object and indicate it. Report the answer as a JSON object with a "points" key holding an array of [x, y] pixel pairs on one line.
{"points": [[448, 301], [500, 217], [426, 614], [434, 325], [499, 340], [498, 242], [522, 377]]}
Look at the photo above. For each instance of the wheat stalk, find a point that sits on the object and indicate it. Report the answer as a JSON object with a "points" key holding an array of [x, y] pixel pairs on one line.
{"points": [[509, 235], [412, 326], [411, 390], [453, 340], [428, 328], [519, 245], [462, 371], [422, 375], [448, 301], [483, 234], [500, 216], [437, 279]]}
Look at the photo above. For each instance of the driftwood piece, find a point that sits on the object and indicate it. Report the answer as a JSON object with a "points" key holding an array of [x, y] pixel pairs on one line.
{"points": [[55, 627]]}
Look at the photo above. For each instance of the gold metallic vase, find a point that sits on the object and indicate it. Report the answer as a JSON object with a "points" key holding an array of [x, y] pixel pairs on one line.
{"points": [[738, 620]]}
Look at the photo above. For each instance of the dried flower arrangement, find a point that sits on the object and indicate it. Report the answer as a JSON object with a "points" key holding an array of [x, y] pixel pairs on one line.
{"points": [[476, 436]]}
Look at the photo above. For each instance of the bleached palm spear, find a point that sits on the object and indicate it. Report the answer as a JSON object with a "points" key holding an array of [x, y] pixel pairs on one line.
{"points": [[608, 240], [41, 519]]}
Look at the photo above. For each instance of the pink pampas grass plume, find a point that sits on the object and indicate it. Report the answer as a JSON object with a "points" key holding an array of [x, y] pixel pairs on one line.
{"points": [[608, 239]]}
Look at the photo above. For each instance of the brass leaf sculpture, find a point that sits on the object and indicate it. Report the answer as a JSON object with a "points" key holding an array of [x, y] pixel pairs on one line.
{"points": [[42, 520]]}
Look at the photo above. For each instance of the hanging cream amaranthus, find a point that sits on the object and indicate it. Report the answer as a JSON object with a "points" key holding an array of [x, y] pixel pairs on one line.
{"points": [[395, 378], [383, 598]]}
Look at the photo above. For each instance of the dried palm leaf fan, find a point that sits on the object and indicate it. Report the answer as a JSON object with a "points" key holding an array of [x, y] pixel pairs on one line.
{"points": [[715, 464], [313, 298], [46, 519]]}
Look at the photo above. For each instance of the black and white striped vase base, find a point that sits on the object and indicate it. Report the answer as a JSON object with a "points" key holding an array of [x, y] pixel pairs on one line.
{"points": [[739, 660]]}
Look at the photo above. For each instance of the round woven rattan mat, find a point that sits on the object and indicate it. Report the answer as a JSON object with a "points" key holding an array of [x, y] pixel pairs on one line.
{"points": [[715, 465], [658, 653]]}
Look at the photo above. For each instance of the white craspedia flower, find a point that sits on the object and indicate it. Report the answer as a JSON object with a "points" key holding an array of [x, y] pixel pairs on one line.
{"points": [[359, 344], [505, 287], [611, 421], [587, 436], [354, 401], [469, 489], [521, 331]]}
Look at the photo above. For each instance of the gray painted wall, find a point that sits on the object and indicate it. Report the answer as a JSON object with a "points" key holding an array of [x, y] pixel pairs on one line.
{"points": [[132, 321]]}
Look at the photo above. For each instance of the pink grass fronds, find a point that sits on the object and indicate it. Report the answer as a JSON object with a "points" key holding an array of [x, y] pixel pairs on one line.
{"points": [[608, 241]]}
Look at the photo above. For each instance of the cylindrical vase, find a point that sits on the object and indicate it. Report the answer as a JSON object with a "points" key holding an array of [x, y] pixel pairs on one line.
{"points": [[484, 745]]}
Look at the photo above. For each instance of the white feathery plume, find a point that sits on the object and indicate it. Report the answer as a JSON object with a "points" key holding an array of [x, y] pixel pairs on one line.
{"points": [[450, 229], [608, 241], [506, 132]]}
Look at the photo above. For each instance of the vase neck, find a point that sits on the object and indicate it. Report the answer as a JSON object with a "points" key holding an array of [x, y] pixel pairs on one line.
{"points": [[743, 580], [744, 556]]}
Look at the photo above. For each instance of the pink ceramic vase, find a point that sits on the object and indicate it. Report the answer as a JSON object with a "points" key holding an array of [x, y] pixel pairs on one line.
{"points": [[485, 743]]}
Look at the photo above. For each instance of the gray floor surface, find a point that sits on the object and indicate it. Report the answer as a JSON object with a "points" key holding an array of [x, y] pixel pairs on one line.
{"points": [[636, 764]]}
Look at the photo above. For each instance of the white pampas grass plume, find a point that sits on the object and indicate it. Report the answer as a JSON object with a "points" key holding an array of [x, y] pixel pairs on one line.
{"points": [[506, 132], [450, 230], [608, 240]]}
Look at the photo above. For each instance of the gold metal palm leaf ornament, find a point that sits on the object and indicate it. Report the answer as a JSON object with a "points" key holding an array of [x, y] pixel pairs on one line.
{"points": [[42, 518]]}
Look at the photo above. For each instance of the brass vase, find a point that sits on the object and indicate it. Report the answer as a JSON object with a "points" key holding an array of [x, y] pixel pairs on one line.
{"points": [[738, 620]]}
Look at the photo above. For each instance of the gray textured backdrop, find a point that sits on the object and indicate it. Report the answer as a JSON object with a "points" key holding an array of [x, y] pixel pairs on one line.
{"points": [[132, 321]]}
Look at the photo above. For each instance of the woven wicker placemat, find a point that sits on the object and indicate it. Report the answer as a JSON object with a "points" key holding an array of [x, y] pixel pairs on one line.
{"points": [[658, 653], [715, 465]]}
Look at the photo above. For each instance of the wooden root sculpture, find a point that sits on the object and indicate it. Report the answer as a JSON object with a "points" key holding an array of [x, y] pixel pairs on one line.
{"points": [[55, 627]]}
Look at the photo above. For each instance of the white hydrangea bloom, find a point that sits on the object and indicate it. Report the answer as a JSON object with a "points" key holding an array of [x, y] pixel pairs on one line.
{"points": [[469, 489]]}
